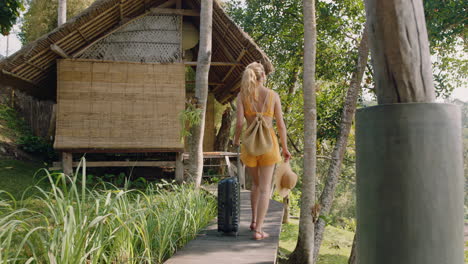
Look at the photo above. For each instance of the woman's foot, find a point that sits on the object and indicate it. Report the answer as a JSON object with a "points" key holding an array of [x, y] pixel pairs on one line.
{"points": [[253, 225], [259, 235]]}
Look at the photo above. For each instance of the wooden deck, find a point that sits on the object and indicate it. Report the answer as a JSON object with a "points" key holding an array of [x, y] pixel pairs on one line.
{"points": [[212, 247]]}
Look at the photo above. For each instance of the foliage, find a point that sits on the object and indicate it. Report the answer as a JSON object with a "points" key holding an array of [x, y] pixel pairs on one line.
{"points": [[9, 12], [335, 249], [189, 117], [19, 132], [16, 126], [74, 224], [447, 30], [277, 27], [37, 146], [41, 17]]}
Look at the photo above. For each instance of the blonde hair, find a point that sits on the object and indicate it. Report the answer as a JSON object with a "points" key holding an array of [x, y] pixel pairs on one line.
{"points": [[253, 73]]}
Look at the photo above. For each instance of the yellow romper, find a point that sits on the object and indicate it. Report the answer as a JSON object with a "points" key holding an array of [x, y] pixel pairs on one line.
{"points": [[271, 157]]}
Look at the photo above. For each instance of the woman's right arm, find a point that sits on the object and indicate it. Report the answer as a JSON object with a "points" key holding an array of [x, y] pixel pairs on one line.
{"points": [[239, 121], [281, 128]]}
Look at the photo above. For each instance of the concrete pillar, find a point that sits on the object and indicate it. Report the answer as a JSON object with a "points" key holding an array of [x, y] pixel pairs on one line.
{"points": [[409, 184]]}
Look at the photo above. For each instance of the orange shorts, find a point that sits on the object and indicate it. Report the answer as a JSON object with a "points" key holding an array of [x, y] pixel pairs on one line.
{"points": [[271, 157]]}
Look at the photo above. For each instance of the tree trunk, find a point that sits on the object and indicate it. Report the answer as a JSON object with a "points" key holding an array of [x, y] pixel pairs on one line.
{"points": [[286, 209], [222, 138], [400, 51], [62, 12], [201, 92], [339, 150], [303, 253], [353, 258]]}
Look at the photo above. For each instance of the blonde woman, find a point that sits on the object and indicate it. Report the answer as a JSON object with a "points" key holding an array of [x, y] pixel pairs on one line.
{"points": [[254, 98]]}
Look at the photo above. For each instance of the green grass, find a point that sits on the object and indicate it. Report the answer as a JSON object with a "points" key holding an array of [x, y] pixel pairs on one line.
{"points": [[16, 176], [335, 249], [70, 223], [466, 252]]}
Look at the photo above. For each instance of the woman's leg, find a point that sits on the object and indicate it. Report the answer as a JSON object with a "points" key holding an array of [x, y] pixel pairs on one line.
{"points": [[253, 172], [264, 186]]}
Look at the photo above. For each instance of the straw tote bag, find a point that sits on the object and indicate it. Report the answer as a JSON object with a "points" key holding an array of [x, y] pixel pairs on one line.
{"points": [[257, 138]]}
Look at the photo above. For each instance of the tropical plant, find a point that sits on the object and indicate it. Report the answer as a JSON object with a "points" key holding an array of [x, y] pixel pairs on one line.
{"points": [[71, 223]]}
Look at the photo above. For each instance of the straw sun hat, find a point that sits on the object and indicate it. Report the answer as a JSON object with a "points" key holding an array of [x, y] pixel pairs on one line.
{"points": [[285, 179]]}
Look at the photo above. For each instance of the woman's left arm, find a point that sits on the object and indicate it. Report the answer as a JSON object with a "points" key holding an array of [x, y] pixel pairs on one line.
{"points": [[281, 128], [239, 121]]}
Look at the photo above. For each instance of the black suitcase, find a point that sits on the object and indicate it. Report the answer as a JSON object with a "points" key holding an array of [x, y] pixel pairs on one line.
{"points": [[229, 205]]}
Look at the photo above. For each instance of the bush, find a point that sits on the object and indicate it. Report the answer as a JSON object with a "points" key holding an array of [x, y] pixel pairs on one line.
{"points": [[74, 224]]}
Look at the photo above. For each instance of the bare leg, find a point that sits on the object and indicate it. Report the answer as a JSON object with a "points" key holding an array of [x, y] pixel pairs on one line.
{"points": [[264, 184], [253, 172]]}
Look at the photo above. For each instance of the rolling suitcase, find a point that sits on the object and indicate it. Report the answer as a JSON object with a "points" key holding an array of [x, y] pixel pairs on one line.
{"points": [[229, 205]]}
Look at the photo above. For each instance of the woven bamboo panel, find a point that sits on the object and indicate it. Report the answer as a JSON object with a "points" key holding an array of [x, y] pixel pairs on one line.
{"points": [[118, 106]]}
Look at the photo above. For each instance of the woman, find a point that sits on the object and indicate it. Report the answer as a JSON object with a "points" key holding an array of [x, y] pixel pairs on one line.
{"points": [[254, 96]]}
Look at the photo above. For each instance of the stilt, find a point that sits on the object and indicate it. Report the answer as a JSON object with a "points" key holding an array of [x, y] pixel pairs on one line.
{"points": [[179, 171], [67, 163]]}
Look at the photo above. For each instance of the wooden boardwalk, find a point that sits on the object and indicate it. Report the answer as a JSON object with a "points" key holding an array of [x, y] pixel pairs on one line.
{"points": [[211, 247]]}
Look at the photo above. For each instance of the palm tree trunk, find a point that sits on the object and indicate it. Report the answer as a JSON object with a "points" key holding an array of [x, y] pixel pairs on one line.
{"points": [[303, 253], [201, 92], [62, 12], [347, 117]]}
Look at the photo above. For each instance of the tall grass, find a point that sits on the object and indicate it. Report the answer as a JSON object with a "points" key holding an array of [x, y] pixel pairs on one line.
{"points": [[71, 223]]}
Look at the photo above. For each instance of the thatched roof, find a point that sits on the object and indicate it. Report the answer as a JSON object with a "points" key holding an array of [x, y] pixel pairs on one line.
{"points": [[35, 63]]}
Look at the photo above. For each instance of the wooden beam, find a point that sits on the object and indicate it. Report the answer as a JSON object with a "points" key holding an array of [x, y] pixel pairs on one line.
{"points": [[168, 4], [105, 150], [57, 50], [171, 11], [121, 11], [35, 66], [98, 164], [209, 83], [18, 77], [82, 35], [232, 64], [179, 4]]}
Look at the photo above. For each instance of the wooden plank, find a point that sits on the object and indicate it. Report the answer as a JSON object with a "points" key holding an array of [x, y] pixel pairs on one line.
{"points": [[19, 77], [211, 247], [171, 11], [209, 83], [98, 164], [57, 50], [127, 150], [232, 64], [214, 155]]}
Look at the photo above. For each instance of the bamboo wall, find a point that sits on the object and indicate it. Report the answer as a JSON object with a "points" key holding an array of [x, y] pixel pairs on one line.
{"points": [[119, 105]]}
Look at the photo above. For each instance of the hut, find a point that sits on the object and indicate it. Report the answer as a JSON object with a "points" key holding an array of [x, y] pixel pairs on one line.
{"points": [[113, 79]]}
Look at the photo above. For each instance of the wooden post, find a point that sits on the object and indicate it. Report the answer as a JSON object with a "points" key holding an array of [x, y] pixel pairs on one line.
{"points": [[67, 163], [52, 123], [179, 170]]}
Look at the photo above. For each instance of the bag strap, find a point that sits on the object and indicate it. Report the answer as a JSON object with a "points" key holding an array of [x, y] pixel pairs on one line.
{"points": [[267, 98]]}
